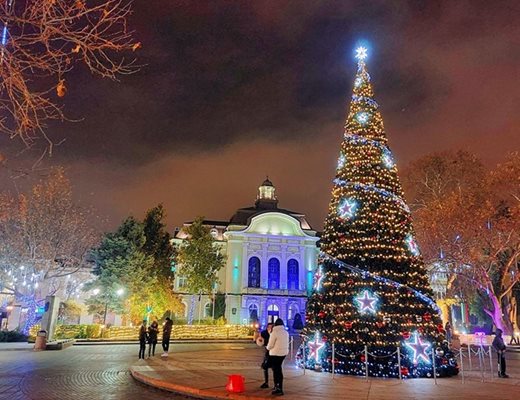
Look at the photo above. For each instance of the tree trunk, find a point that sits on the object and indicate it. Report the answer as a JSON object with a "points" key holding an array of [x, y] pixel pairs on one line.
{"points": [[496, 313], [191, 310]]}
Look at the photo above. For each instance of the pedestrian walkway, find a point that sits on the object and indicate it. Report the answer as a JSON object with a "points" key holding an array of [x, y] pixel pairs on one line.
{"points": [[204, 375]]}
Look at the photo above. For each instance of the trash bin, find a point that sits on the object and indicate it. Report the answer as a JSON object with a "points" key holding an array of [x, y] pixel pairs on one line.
{"points": [[41, 340]]}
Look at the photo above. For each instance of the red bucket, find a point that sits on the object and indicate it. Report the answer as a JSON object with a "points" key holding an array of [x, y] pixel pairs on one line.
{"points": [[235, 384]]}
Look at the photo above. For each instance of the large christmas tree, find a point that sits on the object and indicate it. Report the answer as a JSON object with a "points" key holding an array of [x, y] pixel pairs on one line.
{"points": [[371, 286]]}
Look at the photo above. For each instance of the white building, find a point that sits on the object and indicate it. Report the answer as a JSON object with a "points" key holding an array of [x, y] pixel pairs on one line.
{"points": [[271, 255]]}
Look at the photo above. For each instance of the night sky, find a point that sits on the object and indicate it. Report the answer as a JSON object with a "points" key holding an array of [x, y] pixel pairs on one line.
{"points": [[233, 90]]}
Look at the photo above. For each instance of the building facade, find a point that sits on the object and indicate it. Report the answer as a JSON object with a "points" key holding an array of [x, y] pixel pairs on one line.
{"points": [[271, 256]]}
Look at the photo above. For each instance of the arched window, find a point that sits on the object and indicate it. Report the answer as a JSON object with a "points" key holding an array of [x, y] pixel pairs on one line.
{"points": [[253, 276], [273, 275], [293, 310], [292, 275], [273, 313], [208, 310], [253, 313]]}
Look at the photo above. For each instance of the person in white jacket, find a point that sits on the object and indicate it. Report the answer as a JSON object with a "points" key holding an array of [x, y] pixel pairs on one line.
{"points": [[278, 348]]}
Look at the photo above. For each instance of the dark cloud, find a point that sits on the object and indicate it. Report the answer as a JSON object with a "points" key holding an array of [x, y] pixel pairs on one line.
{"points": [[255, 77]]}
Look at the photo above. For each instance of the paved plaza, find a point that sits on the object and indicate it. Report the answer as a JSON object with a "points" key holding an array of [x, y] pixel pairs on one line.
{"points": [[103, 372], [204, 375], [77, 373]]}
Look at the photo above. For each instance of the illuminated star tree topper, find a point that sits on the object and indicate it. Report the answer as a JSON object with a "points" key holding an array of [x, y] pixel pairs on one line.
{"points": [[361, 53]]}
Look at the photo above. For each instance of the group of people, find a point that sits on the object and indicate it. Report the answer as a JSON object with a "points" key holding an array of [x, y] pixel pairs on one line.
{"points": [[275, 339], [150, 335]]}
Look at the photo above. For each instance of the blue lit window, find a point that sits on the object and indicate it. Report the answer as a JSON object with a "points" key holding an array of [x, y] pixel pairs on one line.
{"points": [[253, 276], [273, 277], [292, 274]]}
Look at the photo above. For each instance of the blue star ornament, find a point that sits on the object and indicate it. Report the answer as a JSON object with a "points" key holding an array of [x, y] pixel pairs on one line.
{"points": [[362, 117], [347, 208], [366, 302], [388, 160], [419, 349]]}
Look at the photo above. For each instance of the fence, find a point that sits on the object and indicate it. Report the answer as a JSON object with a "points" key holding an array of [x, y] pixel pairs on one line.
{"points": [[474, 359]]}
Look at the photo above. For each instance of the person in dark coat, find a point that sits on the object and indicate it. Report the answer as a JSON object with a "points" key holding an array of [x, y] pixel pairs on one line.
{"points": [[153, 332], [167, 331], [447, 329], [500, 347], [263, 340], [142, 340]]}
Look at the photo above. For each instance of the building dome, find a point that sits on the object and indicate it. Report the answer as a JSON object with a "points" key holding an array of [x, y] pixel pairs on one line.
{"points": [[267, 182]]}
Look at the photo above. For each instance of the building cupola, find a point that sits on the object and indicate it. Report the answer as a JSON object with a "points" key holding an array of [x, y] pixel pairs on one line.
{"points": [[266, 198]]}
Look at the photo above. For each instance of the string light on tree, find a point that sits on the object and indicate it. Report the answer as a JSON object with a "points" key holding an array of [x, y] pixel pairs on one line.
{"points": [[341, 161], [371, 260], [366, 302]]}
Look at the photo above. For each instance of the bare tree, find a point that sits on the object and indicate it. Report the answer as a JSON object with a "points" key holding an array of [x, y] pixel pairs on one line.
{"points": [[472, 227], [42, 40], [44, 236]]}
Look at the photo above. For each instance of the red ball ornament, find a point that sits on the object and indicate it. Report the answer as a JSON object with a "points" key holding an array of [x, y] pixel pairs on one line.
{"points": [[406, 335], [348, 324], [380, 324], [362, 358], [350, 282], [440, 328], [404, 371], [321, 314], [421, 329], [427, 317]]}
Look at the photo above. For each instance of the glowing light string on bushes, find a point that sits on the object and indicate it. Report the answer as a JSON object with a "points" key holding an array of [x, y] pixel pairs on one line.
{"points": [[378, 278]]}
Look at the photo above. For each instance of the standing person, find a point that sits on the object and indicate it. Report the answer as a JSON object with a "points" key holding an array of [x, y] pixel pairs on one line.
{"points": [[142, 340], [500, 347], [447, 328], [278, 348], [263, 340], [153, 332], [167, 331]]}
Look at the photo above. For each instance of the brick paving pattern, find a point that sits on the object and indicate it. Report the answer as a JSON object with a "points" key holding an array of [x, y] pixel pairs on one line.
{"points": [[80, 372]]}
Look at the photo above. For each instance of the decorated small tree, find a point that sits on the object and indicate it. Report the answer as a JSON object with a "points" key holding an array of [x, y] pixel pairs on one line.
{"points": [[371, 294]]}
